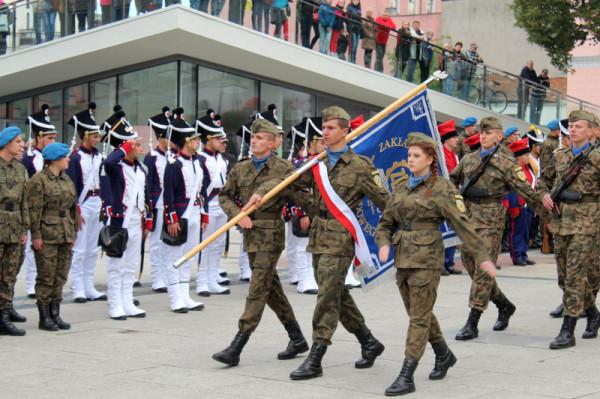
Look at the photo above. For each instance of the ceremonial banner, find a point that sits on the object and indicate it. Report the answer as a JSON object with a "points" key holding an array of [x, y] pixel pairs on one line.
{"points": [[385, 144]]}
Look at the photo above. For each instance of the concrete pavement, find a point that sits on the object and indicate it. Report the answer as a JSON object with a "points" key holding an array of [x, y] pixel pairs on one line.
{"points": [[168, 355]]}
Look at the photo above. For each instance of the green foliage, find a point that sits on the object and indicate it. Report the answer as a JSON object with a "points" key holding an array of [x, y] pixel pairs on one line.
{"points": [[559, 25]]}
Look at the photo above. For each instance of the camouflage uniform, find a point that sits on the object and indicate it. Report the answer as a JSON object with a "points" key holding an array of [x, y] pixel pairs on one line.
{"points": [[411, 221], [462, 149], [332, 246], [575, 231], [14, 221], [548, 147], [487, 213], [264, 242], [53, 212]]}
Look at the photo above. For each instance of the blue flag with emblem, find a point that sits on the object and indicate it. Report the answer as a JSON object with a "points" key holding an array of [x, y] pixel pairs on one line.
{"points": [[385, 145]]}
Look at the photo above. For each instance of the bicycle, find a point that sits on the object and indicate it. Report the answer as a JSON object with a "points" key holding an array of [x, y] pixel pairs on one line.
{"points": [[496, 100]]}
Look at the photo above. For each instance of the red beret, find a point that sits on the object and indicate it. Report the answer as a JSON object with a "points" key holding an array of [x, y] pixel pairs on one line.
{"points": [[519, 147], [473, 141], [447, 130]]}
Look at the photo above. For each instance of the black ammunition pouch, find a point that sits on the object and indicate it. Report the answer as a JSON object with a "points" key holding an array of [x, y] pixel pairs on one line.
{"points": [[475, 193], [570, 196], [296, 229], [9, 206], [113, 240], [179, 239]]}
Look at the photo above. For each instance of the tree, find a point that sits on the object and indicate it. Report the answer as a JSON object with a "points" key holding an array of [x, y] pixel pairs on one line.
{"points": [[559, 25]]}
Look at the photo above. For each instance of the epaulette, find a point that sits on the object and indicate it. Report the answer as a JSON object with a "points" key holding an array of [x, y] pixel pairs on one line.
{"points": [[401, 180], [365, 158], [559, 150]]}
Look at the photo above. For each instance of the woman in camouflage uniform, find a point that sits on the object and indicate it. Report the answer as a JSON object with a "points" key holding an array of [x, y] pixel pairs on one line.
{"points": [[411, 221], [53, 224]]}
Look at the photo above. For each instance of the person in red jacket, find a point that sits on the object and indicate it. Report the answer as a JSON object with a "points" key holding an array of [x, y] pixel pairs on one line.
{"points": [[383, 25], [449, 136]]}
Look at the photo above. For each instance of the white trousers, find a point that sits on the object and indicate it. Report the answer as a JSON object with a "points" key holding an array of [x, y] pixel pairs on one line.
{"points": [[304, 266], [85, 251], [291, 253], [29, 266], [158, 260], [121, 271], [244, 262], [207, 278]]}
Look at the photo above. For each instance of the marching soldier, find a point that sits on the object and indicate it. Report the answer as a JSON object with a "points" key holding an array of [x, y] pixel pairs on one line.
{"points": [[411, 222], [575, 228], [484, 203], [212, 135], [156, 161], [551, 143], [41, 133], [54, 221], [511, 134], [352, 177], [185, 187], [470, 127], [13, 224], [123, 193], [263, 240], [84, 171]]}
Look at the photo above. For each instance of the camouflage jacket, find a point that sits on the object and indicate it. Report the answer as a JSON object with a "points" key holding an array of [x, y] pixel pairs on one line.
{"points": [[575, 217], [353, 177], [268, 232], [52, 207], [412, 218], [501, 174], [14, 213], [548, 147], [462, 149]]}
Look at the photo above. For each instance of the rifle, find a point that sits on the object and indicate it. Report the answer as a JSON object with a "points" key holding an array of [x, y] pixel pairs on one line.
{"points": [[560, 191], [471, 180]]}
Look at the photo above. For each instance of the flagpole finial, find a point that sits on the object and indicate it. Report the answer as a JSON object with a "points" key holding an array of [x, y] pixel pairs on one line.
{"points": [[439, 75]]}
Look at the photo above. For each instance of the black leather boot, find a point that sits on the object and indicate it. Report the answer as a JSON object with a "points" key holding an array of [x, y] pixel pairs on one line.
{"points": [[470, 331], [55, 314], [558, 312], [370, 348], [566, 337], [6, 325], [231, 355], [297, 342], [15, 317], [593, 323], [46, 322], [505, 310], [444, 359], [404, 383], [311, 366]]}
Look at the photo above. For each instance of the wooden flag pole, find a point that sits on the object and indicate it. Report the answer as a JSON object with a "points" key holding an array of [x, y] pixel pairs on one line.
{"points": [[293, 177]]}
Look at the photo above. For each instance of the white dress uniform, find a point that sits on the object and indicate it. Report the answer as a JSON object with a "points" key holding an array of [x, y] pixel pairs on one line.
{"points": [[208, 275], [157, 247]]}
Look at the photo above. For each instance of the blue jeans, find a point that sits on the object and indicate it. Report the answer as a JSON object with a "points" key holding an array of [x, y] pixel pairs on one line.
{"points": [[216, 7], [40, 21], [535, 109], [466, 89], [410, 69], [449, 257], [449, 85], [354, 39], [260, 12], [51, 21], [201, 5], [305, 27], [324, 39]]}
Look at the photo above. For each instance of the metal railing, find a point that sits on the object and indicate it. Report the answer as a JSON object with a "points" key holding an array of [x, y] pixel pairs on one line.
{"points": [[28, 23]]}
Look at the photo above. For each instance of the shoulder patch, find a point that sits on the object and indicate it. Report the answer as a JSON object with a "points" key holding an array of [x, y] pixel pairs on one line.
{"points": [[460, 204], [377, 178], [520, 173]]}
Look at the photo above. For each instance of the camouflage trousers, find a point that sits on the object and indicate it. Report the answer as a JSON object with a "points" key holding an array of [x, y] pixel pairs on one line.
{"points": [[577, 266], [334, 302], [483, 287], [418, 288], [53, 262], [265, 289], [10, 256]]}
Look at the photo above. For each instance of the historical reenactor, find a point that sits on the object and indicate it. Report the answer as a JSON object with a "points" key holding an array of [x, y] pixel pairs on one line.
{"points": [[84, 170], [484, 176], [535, 138], [263, 240], [411, 222], [449, 136], [521, 216], [212, 135], [123, 193], [41, 133], [473, 142], [470, 128], [551, 143], [13, 224], [156, 161], [54, 221], [575, 228], [185, 187], [352, 177]]}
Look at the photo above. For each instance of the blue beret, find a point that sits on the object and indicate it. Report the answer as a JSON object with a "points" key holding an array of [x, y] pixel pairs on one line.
{"points": [[553, 124], [511, 130], [8, 134], [470, 121], [55, 151]]}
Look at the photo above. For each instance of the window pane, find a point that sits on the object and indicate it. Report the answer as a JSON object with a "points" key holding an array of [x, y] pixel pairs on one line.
{"points": [[55, 112], [18, 111], [104, 94], [187, 89], [354, 109], [76, 100], [232, 96], [3, 110], [430, 6], [292, 106]]}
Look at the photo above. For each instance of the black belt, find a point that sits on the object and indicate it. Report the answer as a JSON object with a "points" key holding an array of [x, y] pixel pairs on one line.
{"points": [[265, 216], [483, 200], [410, 226], [9, 206], [93, 193], [62, 213]]}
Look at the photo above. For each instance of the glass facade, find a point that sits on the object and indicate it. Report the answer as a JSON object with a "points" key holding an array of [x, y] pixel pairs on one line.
{"points": [[142, 93]]}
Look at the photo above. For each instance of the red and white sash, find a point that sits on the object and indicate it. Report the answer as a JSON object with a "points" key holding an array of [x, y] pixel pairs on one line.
{"points": [[343, 214]]}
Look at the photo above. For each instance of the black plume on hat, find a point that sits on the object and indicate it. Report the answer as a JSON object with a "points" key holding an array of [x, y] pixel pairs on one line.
{"points": [[208, 128], [118, 129], [39, 123], [160, 123]]}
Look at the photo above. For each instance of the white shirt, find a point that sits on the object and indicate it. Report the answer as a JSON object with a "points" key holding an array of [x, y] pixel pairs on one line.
{"points": [[217, 167]]}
